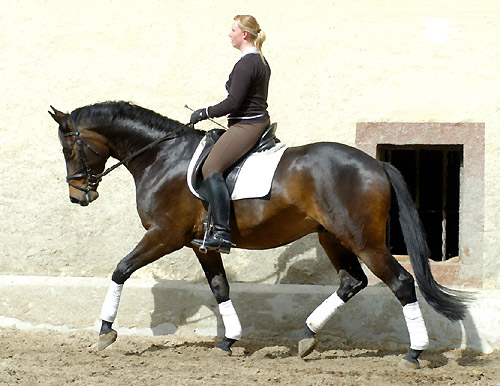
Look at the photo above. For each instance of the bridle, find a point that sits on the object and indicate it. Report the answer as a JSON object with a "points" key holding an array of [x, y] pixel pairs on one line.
{"points": [[87, 173]]}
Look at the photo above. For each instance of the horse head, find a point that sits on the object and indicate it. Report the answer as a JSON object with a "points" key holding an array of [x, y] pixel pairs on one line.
{"points": [[85, 152]]}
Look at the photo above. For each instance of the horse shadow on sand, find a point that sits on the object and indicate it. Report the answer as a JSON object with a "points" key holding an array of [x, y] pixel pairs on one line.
{"points": [[186, 304], [177, 303]]}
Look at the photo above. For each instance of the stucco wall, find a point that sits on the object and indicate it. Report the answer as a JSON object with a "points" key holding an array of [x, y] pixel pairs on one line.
{"points": [[334, 64]]}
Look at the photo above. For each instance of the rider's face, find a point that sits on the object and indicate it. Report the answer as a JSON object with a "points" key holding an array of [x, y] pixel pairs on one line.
{"points": [[237, 35]]}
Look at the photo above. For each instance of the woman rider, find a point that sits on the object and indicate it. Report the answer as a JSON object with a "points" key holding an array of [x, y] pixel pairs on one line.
{"points": [[246, 110]]}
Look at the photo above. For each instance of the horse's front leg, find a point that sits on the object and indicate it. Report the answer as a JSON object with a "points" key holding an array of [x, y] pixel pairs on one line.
{"points": [[211, 263], [153, 245]]}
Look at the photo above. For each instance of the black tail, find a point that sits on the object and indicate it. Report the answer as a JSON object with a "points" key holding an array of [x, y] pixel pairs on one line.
{"points": [[450, 303]]}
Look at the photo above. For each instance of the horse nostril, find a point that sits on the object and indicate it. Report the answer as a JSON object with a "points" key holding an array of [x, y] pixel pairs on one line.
{"points": [[74, 200]]}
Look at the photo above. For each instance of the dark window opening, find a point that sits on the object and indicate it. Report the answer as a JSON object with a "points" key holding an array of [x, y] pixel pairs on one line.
{"points": [[432, 173]]}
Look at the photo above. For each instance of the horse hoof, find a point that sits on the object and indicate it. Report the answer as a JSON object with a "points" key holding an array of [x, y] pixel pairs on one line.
{"points": [[218, 352], [105, 340], [405, 364], [306, 346]]}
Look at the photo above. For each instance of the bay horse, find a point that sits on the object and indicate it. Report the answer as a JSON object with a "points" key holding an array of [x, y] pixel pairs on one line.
{"points": [[334, 190]]}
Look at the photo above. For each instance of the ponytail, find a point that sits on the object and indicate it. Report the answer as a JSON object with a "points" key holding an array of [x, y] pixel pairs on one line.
{"points": [[261, 38]]}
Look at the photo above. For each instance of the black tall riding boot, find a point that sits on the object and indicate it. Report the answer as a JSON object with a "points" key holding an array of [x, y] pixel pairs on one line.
{"points": [[220, 202]]}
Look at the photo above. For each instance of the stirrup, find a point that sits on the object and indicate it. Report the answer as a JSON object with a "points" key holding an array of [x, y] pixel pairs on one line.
{"points": [[214, 242], [200, 243]]}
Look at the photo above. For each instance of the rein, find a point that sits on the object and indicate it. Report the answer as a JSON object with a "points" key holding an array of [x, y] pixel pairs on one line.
{"points": [[94, 179]]}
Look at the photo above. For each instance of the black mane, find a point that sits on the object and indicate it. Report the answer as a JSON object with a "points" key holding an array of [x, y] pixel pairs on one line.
{"points": [[104, 113]]}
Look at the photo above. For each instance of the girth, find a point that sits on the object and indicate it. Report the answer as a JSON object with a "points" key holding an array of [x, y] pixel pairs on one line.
{"points": [[267, 141]]}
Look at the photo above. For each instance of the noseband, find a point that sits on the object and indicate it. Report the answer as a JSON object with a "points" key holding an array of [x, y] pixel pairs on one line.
{"points": [[87, 173]]}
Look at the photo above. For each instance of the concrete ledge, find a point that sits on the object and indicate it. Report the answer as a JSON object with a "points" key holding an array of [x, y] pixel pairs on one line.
{"points": [[267, 312]]}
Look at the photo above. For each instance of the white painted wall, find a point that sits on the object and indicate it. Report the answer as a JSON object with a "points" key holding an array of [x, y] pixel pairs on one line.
{"points": [[334, 64]]}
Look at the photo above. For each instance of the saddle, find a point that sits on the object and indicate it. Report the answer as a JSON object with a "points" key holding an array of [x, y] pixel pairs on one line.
{"points": [[266, 142]]}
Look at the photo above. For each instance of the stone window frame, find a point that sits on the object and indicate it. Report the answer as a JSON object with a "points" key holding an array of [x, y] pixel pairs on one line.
{"points": [[467, 271]]}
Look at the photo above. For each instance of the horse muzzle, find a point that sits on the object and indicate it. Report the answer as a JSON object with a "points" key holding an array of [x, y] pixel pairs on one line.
{"points": [[81, 197]]}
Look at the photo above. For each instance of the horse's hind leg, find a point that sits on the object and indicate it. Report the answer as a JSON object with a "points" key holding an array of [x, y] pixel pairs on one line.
{"points": [[352, 280], [211, 263], [401, 283]]}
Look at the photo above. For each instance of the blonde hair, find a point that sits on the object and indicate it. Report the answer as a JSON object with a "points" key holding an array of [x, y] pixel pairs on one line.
{"points": [[256, 35]]}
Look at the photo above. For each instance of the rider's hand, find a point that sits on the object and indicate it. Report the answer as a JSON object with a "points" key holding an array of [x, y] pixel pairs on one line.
{"points": [[198, 115]]}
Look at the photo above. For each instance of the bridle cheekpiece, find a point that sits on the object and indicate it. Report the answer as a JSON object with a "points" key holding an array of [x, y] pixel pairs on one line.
{"points": [[87, 173]]}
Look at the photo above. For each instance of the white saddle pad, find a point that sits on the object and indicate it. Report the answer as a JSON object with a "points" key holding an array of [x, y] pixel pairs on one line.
{"points": [[256, 175]]}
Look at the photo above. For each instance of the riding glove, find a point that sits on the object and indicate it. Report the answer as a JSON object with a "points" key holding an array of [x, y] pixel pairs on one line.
{"points": [[198, 115]]}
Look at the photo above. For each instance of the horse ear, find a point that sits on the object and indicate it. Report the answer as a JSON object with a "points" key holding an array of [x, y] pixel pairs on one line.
{"points": [[57, 115]]}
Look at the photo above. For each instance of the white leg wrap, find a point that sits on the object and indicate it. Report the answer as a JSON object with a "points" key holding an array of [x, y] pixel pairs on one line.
{"points": [[419, 340], [230, 319], [323, 312], [111, 302]]}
